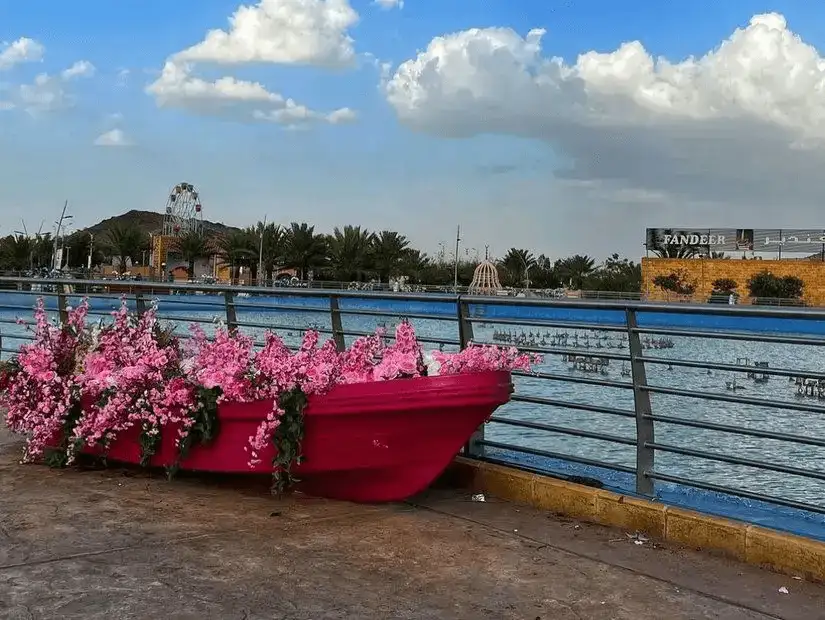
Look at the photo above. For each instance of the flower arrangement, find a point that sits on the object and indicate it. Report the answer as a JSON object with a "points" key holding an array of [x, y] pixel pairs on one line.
{"points": [[77, 386]]}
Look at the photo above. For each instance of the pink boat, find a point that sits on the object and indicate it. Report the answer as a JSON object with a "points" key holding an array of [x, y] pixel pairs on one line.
{"points": [[368, 442]]}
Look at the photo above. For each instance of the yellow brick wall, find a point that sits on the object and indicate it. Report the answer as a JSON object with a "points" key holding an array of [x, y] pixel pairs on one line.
{"points": [[703, 272]]}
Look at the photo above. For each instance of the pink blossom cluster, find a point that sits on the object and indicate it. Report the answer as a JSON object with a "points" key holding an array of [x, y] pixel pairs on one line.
{"points": [[128, 378], [39, 388], [483, 358], [132, 373]]}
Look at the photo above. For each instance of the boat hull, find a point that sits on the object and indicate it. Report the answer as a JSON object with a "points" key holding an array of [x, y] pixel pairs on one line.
{"points": [[369, 442]]}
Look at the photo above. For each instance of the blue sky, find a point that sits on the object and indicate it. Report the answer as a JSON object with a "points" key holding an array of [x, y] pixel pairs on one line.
{"points": [[558, 160]]}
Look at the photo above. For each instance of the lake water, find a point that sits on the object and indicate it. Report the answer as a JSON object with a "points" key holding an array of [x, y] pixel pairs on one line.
{"points": [[804, 358]]}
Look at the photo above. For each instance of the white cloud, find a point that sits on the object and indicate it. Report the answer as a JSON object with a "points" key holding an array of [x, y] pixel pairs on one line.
{"points": [[113, 137], [82, 68], [240, 99], [20, 51], [48, 92], [742, 127], [389, 4], [176, 87], [308, 32], [122, 78]]}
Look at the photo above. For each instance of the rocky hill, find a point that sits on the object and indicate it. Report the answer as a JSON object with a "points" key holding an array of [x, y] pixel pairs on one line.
{"points": [[149, 222]]}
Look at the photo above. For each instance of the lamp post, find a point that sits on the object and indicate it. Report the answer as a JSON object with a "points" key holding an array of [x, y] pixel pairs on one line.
{"points": [[56, 258], [455, 266], [261, 255], [91, 252]]}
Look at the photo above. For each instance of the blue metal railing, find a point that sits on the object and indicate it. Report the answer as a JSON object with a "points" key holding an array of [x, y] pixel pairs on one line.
{"points": [[646, 397]]}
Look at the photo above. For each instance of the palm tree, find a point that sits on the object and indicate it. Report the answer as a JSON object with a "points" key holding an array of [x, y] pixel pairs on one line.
{"points": [[16, 252], [192, 246], [272, 249], [388, 251], [350, 252], [304, 251], [238, 249], [415, 264], [126, 242], [575, 269], [517, 264]]}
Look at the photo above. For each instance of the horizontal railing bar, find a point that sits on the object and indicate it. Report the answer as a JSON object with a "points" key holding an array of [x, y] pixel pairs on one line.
{"points": [[575, 379], [736, 460], [134, 285], [576, 352], [283, 307], [21, 308], [552, 428], [619, 306], [216, 305], [738, 336], [30, 292], [563, 404], [552, 324], [406, 315], [737, 430], [27, 337], [779, 372], [741, 400], [556, 455], [15, 322], [278, 326], [725, 490], [187, 319], [652, 307], [359, 334]]}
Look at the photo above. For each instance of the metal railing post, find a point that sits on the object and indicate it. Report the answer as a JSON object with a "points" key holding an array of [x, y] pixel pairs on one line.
{"points": [[474, 447], [140, 303], [231, 314], [641, 400], [336, 323], [62, 304]]}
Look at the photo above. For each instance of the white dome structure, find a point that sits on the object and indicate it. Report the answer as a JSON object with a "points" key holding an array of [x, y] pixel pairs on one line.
{"points": [[485, 280]]}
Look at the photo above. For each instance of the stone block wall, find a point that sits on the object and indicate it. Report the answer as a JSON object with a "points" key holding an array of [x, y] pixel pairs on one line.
{"points": [[703, 272]]}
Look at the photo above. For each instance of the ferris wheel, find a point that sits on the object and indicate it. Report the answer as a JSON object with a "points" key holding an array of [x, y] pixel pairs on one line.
{"points": [[183, 211]]}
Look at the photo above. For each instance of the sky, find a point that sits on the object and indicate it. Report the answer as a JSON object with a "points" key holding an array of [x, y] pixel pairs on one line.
{"points": [[562, 126]]}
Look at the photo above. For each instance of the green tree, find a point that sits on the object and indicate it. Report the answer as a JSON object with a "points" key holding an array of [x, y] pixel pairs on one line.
{"points": [[765, 286], [616, 274], [273, 249], [676, 282], [574, 271], [388, 251], [517, 265], [304, 250], [724, 286], [126, 242], [415, 265], [192, 246], [237, 249], [350, 253], [17, 252], [544, 274]]}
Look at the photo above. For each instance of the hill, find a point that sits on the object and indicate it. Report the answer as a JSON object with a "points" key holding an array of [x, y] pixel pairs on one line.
{"points": [[149, 222]]}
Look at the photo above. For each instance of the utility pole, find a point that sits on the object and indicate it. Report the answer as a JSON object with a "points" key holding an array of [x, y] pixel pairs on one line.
{"points": [[91, 252], [455, 272], [261, 256], [56, 260]]}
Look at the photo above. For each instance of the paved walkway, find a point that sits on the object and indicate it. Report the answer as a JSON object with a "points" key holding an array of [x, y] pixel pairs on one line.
{"points": [[120, 544]]}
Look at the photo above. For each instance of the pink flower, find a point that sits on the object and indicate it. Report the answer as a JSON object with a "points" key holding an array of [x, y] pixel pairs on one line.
{"points": [[135, 374]]}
